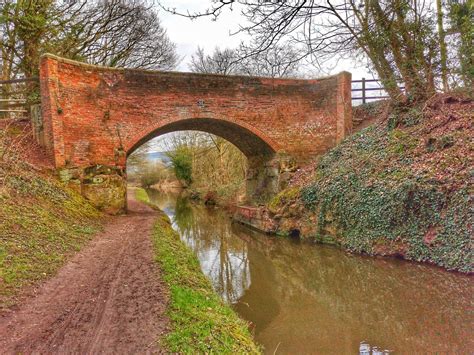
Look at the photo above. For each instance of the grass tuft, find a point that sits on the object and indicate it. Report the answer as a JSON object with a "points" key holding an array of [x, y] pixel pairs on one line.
{"points": [[142, 196]]}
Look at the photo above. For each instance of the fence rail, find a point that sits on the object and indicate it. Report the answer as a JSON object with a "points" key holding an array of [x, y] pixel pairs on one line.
{"points": [[16, 81], [362, 87], [15, 100]]}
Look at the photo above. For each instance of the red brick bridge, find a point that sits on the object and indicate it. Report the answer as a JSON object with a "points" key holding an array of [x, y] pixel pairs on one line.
{"points": [[94, 117]]}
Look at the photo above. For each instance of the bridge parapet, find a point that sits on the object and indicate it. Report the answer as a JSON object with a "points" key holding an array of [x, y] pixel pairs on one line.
{"points": [[96, 116]]}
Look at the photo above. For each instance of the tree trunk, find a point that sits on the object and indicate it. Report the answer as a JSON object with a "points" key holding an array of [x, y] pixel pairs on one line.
{"points": [[442, 46]]}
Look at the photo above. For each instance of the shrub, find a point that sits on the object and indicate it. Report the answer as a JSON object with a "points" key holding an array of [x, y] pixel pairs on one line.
{"points": [[181, 160]]}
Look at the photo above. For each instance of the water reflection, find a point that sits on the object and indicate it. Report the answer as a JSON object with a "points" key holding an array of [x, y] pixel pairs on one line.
{"points": [[222, 256], [314, 299]]}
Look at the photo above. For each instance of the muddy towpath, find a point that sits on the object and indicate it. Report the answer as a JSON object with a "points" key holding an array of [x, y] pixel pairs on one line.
{"points": [[108, 298]]}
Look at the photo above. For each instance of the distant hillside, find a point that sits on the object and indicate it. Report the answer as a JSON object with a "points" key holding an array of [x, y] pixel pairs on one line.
{"points": [[158, 156]]}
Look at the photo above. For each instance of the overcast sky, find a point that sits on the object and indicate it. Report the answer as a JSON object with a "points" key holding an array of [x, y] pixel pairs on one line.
{"points": [[203, 32], [189, 34]]}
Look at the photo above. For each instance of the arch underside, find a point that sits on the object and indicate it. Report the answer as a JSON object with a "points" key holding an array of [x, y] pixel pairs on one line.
{"points": [[249, 143]]}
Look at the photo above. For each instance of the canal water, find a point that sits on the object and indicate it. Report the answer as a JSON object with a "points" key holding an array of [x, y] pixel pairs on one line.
{"points": [[301, 298]]}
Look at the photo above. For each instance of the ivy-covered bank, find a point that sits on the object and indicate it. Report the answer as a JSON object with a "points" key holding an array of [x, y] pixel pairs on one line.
{"points": [[200, 321], [401, 187], [41, 224]]}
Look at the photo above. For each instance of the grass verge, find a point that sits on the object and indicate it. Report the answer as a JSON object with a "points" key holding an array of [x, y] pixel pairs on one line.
{"points": [[41, 224], [201, 321], [142, 196]]}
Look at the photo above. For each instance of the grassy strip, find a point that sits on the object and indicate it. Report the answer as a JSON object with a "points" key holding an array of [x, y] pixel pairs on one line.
{"points": [[142, 196], [201, 321], [41, 224]]}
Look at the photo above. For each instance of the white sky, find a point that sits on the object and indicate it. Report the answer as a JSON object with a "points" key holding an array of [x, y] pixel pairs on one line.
{"points": [[203, 32]]}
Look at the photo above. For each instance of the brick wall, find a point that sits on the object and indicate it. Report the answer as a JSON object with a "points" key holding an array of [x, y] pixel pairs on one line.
{"points": [[96, 115]]}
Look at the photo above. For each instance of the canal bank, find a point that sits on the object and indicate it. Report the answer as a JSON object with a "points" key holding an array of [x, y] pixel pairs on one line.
{"points": [[132, 288], [401, 187], [200, 321], [108, 297], [303, 298]]}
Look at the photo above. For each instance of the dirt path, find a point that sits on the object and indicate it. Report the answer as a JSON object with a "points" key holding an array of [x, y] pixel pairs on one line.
{"points": [[107, 299]]}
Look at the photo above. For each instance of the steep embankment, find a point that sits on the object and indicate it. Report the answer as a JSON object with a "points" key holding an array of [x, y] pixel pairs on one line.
{"points": [[400, 187], [41, 222]]}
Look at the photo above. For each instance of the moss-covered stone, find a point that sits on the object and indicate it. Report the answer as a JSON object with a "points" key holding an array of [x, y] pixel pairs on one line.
{"points": [[283, 198], [107, 193], [104, 186]]}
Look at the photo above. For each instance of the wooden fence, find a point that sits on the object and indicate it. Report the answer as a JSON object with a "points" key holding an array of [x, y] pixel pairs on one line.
{"points": [[369, 89], [16, 97]]}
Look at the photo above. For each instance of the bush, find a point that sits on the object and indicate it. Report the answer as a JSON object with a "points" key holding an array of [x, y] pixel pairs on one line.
{"points": [[147, 173], [152, 174], [181, 159]]}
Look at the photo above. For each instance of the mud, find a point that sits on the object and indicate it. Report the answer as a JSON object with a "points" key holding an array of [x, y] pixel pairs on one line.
{"points": [[108, 298]]}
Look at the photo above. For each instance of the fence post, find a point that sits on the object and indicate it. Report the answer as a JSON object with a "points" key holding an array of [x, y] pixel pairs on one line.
{"points": [[363, 90]]}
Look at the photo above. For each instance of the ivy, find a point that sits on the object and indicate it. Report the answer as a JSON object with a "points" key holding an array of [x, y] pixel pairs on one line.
{"points": [[366, 190]]}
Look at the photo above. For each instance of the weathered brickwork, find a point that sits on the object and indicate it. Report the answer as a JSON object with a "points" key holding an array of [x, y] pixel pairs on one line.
{"points": [[97, 116]]}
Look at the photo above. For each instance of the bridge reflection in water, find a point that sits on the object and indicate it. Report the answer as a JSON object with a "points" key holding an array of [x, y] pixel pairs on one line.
{"points": [[304, 298]]}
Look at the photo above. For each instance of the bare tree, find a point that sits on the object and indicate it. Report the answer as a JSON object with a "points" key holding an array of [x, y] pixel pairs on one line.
{"points": [[9, 45], [118, 33], [398, 37], [442, 45], [277, 62], [215, 164], [140, 155], [221, 61], [461, 34], [124, 33]]}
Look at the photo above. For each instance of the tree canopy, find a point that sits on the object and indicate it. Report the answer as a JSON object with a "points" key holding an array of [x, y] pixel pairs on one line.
{"points": [[125, 33]]}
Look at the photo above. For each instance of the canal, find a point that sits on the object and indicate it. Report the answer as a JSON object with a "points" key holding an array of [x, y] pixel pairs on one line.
{"points": [[301, 298]]}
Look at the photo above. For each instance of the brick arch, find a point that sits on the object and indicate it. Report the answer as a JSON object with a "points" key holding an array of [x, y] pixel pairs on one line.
{"points": [[249, 140], [93, 116]]}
